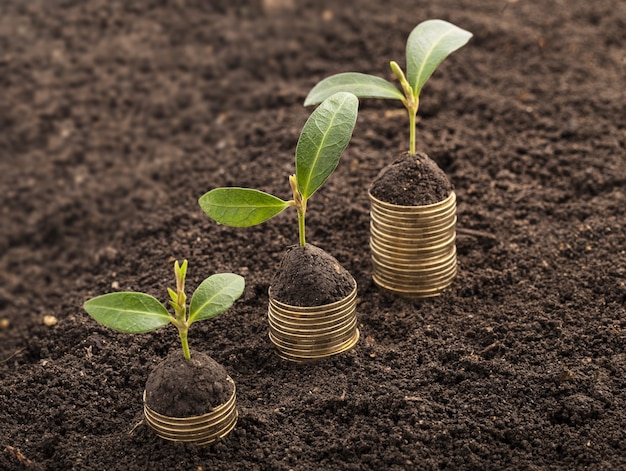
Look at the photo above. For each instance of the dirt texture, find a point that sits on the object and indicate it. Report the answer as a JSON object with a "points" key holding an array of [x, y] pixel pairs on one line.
{"points": [[308, 276], [185, 388], [116, 116], [411, 180]]}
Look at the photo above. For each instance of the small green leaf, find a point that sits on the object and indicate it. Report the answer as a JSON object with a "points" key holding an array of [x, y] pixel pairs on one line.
{"points": [[361, 85], [428, 45], [241, 207], [214, 295], [324, 137], [173, 294], [180, 272], [132, 313]]}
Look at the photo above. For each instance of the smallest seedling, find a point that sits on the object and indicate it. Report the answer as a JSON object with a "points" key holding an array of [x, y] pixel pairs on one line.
{"points": [[136, 313]]}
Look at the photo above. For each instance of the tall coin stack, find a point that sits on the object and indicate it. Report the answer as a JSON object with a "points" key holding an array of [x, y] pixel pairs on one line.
{"points": [[413, 247], [305, 334]]}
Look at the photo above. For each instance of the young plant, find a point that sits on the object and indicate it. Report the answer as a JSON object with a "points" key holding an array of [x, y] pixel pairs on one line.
{"points": [[323, 139], [136, 313], [428, 45]]}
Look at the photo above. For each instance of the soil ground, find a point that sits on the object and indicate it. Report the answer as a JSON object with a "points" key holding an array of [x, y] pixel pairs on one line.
{"points": [[115, 117]]}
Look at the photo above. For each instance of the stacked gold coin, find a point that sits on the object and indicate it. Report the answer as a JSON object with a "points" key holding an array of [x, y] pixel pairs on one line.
{"points": [[304, 334], [200, 430], [413, 247]]}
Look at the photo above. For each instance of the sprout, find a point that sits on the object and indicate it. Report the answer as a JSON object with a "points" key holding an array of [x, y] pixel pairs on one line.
{"points": [[428, 45], [324, 137], [136, 313]]}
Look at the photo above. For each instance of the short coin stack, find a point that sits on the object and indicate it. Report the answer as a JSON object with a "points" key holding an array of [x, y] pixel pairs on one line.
{"points": [[413, 247], [304, 334], [200, 430]]}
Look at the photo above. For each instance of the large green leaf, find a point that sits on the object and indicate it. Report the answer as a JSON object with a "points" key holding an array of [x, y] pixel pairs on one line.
{"points": [[361, 85], [214, 295], [132, 313], [428, 45], [241, 207], [324, 137]]}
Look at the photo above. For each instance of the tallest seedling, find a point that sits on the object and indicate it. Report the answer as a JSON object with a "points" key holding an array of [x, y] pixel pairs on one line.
{"points": [[428, 45]]}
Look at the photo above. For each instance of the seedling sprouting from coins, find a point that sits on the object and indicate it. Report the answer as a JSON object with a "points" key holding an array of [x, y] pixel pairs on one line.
{"points": [[427, 46], [136, 313], [323, 139]]}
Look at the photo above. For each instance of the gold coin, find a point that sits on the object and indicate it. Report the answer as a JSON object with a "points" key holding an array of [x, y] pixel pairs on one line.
{"points": [[414, 219], [314, 310], [315, 356], [414, 254], [306, 336], [386, 226], [413, 291], [309, 329], [312, 317], [203, 429], [423, 209]]}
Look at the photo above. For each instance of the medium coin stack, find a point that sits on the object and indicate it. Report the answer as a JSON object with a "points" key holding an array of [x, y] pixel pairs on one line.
{"points": [[413, 247], [200, 430], [303, 334]]}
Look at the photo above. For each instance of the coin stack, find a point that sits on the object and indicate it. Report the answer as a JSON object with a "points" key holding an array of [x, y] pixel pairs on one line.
{"points": [[200, 430], [413, 247], [304, 334]]}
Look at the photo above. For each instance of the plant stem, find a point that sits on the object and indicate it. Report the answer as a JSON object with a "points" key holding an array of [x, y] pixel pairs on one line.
{"points": [[179, 303], [300, 203], [412, 114], [182, 331], [301, 226], [412, 105], [411, 102]]}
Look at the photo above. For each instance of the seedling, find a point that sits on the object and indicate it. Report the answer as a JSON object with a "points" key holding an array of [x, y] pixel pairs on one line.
{"points": [[323, 139], [428, 45], [136, 313]]}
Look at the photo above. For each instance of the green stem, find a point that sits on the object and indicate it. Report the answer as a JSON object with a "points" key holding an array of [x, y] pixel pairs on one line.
{"points": [[301, 226], [412, 114], [411, 101], [183, 338], [300, 203]]}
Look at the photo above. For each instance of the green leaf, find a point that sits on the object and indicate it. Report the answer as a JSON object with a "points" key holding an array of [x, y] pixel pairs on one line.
{"points": [[324, 137], [180, 272], [132, 313], [214, 295], [173, 295], [241, 207], [428, 45], [361, 85]]}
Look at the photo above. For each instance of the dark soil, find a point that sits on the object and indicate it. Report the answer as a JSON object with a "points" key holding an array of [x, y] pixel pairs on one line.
{"points": [[308, 276], [185, 388], [412, 180], [116, 116]]}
